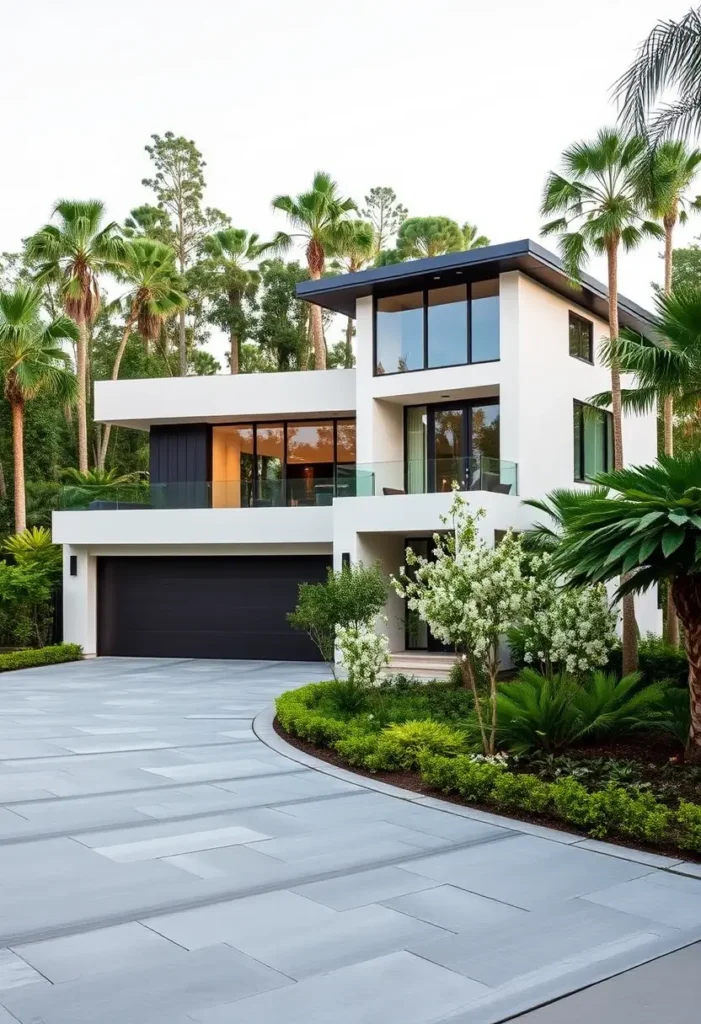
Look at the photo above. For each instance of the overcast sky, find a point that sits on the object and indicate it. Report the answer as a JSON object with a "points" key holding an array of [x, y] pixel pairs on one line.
{"points": [[461, 106]]}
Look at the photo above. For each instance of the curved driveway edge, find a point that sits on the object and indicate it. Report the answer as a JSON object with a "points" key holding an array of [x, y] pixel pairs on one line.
{"points": [[264, 730]]}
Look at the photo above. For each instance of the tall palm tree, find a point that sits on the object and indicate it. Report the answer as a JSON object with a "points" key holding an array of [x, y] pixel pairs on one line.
{"points": [[358, 248], [598, 201], [647, 531], [472, 237], [75, 252], [321, 218], [148, 268], [670, 58], [31, 362], [666, 173], [232, 264]]}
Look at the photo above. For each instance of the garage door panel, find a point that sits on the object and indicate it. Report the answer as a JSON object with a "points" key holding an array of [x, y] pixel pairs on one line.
{"points": [[204, 607]]}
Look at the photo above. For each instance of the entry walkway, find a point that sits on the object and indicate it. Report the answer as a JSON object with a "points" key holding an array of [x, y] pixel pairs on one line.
{"points": [[162, 862]]}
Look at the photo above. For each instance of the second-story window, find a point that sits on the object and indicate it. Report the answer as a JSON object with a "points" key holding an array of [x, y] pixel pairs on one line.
{"points": [[593, 441], [450, 325], [581, 338]]}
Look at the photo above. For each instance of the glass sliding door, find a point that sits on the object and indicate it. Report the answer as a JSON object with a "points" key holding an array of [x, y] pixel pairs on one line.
{"points": [[270, 450], [310, 463], [416, 449], [450, 447], [232, 466]]}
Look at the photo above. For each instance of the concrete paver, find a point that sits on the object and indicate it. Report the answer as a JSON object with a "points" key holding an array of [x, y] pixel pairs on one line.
{"points": [[159, 862]]}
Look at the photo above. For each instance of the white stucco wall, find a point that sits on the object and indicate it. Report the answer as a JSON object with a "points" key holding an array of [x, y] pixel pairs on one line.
{"points": [[139, 403]]}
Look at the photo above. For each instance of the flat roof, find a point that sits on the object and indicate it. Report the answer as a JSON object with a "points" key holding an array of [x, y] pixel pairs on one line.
{"points": [[341, 292]]}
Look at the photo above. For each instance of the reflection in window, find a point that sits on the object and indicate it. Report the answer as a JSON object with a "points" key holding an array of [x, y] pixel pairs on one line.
{"points": [[593, 441], [310, 463], [345, 441], [400, 333], [485, 430], [581, 338], [232, 466], [485, 321], [447, 326], [269, 454]]}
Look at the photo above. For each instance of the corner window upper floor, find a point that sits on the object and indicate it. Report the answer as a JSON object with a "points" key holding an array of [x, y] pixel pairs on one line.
{"points": [[593, 441], [436, 327], [581, 338]]}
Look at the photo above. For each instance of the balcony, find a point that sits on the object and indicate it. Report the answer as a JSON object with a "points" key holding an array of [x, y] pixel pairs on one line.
{"points": [[428, 476]]}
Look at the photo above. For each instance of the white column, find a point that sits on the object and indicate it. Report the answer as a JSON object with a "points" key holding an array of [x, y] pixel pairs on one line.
{"points": [[80, 599]]}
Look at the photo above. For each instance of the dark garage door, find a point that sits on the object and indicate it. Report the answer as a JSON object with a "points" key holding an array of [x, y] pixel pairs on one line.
{"points": [[204, 607]]}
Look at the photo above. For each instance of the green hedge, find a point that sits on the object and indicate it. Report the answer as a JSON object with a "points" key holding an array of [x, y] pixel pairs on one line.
{"points": [[33, 657], [611, 811]]}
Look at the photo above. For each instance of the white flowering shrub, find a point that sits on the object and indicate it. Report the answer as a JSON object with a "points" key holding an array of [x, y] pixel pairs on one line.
{"points": [[364, 653], [470, 596], [563, 630]]}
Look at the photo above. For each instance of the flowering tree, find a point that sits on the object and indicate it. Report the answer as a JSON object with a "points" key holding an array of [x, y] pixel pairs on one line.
{"points": [[565, 630], [470, 596], [364, 653]]}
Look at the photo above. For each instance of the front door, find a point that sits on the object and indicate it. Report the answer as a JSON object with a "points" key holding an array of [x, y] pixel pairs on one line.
{"points": [[418, 637]]}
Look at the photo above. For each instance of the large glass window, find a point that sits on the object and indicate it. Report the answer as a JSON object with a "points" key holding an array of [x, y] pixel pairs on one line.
{"points": [[310, 463], [462, 326], [345, 441], [447, 326], [485, 321], [270, 447], [232, 466], [581, 338], [400, 333], [593, 441]]}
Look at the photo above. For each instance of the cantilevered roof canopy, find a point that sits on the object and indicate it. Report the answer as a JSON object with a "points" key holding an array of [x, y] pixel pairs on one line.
{"points": [[341, 293]]}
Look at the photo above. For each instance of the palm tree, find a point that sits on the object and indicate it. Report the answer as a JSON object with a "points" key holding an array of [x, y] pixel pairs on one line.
{"points": [[472, 238], [101, 484], [232, 257], [74, 253], [321, 218], [597, 198], [646, 531], [670, 58], [31, 362], [545, 537], [358, 248], [666, 173], [154, 295]]}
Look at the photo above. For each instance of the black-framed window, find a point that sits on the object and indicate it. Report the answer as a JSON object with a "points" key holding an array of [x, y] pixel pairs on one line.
{"points": [[433, 327], [293, 462], [581, 338], [593, 441]]}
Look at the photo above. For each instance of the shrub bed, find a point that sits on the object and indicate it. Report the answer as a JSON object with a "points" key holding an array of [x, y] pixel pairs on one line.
{"points": [[439, 751], [34, 657]]}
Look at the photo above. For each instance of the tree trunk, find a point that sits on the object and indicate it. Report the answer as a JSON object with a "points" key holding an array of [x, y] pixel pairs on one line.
{"points": [[235, 357], [18, 455], [668, 415], [686, 595], [629, 644], [349, 343], [182, 344], [3, 485], [81, 368], [115, 375]]}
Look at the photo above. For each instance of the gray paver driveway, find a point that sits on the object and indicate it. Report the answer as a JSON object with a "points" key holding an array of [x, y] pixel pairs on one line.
{"points": [[160, 863]]}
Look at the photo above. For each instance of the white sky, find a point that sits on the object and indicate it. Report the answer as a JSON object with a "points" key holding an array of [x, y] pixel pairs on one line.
{"points": [[462, 107]]}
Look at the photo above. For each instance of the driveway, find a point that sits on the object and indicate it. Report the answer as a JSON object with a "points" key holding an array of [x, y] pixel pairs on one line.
{"points": [[161, 862]]}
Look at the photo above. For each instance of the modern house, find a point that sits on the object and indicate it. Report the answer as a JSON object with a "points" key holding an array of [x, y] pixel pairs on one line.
{"points": [[473, 367]]}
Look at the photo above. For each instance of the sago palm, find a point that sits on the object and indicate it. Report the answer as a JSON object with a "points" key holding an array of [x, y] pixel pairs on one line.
{"points": [[647, 530], [232, 258], [153, 295], [320, 218], [32, 362], [544, 537], [357, 248], [598, 201], [669, 59], [74, 253]]}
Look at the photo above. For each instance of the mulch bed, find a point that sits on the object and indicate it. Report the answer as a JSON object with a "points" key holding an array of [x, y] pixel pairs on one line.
{"points": [[412, 781]]}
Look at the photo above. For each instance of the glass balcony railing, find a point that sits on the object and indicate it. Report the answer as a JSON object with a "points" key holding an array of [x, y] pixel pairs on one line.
{"points": [[477, 473]]}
